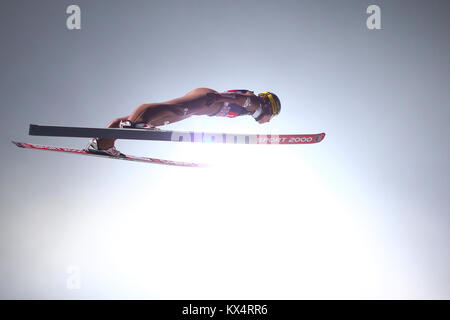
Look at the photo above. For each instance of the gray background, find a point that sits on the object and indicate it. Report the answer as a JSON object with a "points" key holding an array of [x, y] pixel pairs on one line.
{"points": [[364, 214]]}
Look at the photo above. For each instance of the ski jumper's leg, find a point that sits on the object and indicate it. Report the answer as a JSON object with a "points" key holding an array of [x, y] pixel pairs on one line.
{"points": [[159, 114], [155, 114]]}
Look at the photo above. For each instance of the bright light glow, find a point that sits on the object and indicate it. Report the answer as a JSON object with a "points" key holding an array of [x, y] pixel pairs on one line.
{"points": [[261, 217]]}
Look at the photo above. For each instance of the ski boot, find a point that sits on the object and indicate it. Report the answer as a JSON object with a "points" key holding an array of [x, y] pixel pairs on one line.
{"points": [[92, 147]]}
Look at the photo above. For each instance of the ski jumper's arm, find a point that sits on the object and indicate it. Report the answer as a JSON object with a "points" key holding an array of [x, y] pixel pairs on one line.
{"points": [[214, 100]]}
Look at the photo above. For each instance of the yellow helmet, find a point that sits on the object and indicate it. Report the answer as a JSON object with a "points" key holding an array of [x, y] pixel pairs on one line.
{"points": [[270, 104]]}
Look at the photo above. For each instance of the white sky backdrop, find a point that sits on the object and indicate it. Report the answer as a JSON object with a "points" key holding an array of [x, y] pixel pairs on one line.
{"points": [[364, 214]]}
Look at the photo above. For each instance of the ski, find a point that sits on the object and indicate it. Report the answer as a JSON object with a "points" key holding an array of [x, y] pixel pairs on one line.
{"points": [[125, 157], [178, 136]]}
